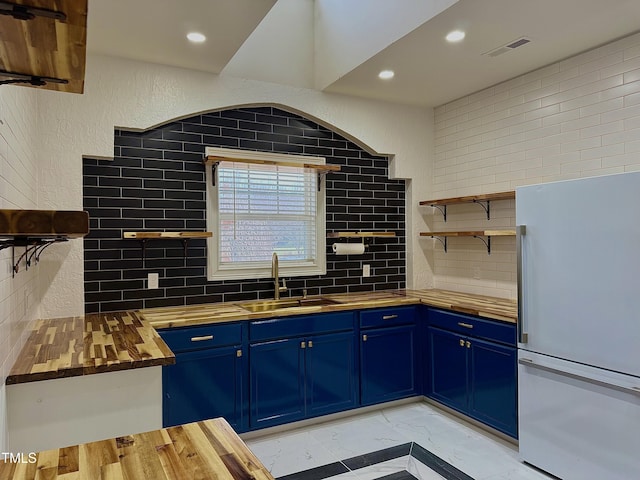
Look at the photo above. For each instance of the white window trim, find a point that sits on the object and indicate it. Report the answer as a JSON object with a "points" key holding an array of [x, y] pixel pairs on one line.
{"points": [[214, 272]]}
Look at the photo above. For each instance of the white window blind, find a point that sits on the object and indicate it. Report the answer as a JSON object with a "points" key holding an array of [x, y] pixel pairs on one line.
{"points": [[262, 209]]}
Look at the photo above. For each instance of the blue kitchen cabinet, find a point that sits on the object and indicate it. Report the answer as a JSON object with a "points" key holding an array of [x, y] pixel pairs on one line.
{"points": [[209, 376], [475, 374], [309, 372], [448, 365], [277, 382], [388, 338]]}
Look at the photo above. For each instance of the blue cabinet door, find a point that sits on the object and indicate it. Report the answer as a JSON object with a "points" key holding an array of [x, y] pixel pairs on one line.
{"points": [[276, 382], [205, 384], [493, 385], [448, 379], [330, 373], [387, 364]]}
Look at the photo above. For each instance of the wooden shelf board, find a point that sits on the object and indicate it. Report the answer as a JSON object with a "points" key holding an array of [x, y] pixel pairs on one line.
{"points": [[477, 233], [510, 195], [46, 47], [360, 234], [178, 235], [211, 160], [43, 223]]}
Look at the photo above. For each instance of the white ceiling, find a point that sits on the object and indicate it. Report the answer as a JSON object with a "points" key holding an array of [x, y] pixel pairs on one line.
{"points": [[341, 45]]}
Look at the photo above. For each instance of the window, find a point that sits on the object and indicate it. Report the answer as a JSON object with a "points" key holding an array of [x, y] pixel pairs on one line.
{"points": [[254, 210]]}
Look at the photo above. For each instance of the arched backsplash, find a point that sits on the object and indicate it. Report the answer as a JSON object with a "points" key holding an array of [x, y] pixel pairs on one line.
{"points": [[156, 182]]}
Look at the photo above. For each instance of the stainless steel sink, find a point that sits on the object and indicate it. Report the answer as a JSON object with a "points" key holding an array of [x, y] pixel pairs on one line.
{"points": [[270, 305]]}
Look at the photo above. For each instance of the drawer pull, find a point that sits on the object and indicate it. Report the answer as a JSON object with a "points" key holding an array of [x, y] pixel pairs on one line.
{"points": [[238, 353], [204, 338], [468, 344], [303, 345], [465, 325], [310, 344], [364, 338], [461, 342], [389, 317]]}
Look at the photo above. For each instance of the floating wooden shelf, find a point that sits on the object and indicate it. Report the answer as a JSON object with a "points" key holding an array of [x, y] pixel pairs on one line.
{"points": [[442, 236], [35, 230], [216, 159], [160, 235], [484, 200], [48, 50], [360, 234], [144, 237]]}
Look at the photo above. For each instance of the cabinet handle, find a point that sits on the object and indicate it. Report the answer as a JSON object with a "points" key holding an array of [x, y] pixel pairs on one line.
{"points": [[238, 353], [303, 345], [364, 338], [461, 342], [310, 344], [465, 325], [468, 344], [202, 339], [389, 317]]}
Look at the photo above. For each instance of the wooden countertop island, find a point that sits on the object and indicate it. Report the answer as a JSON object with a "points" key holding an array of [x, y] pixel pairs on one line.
{"points": [[204, 450]]}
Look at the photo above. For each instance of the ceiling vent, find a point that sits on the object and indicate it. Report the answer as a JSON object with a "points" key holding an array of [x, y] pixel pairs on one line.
{"points": [[508, 47]]}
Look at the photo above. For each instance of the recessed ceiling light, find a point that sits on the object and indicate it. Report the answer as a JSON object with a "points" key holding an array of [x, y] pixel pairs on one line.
{"points": [[386, 74], [196, 37], [455, 36]]}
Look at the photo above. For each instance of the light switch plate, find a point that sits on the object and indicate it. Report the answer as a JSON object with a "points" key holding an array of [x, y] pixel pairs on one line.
{"points": [[152, 280], [366, 270]]}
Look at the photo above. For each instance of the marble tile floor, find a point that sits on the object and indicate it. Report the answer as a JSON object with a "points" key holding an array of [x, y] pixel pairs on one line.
{"points": [[474, 451]]}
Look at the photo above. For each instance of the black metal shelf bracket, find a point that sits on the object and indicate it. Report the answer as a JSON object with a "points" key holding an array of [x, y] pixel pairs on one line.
{"points": [[35, 80], [443, 210], [487, 242], [143, 241], [486, 207], [443, 241], [27, 12], [33, 248]]}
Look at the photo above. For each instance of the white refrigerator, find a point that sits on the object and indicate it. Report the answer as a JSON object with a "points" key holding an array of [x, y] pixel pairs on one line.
{"points": [[578, 255]]}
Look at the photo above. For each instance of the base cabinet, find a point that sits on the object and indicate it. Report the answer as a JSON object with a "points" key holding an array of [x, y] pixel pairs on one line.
{"points": [[204, 384], [302, 376], [473, 375], [209, 377], [387, 354]]}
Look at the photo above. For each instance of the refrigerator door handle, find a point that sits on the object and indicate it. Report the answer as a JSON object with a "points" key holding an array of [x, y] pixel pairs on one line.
{"points": [[530, 363], [521, 230]]}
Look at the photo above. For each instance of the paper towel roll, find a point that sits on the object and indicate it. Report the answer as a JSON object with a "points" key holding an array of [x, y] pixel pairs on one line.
{"points": [[348, 248]]}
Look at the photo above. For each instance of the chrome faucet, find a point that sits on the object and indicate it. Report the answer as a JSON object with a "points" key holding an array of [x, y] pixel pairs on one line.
{"points": [[276, 280]]}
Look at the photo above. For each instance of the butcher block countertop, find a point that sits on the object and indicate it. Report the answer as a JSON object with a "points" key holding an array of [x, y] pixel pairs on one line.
{"points": [[483, 306], [95, 343], [204, 450], [108, 342]]}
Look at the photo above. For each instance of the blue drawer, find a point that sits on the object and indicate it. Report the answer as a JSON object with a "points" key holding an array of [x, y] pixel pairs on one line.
{"points": [[300, 325], [206, 336], [494, 330], [384, 317]]}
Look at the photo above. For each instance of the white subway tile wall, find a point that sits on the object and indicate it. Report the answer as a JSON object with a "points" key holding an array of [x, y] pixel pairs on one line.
{"points": [[18, 189], [576, 118]]}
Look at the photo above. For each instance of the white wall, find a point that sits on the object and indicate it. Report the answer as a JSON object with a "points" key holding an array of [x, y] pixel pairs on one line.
{"points": [[575, 118], [136, 95], [19, 296]]}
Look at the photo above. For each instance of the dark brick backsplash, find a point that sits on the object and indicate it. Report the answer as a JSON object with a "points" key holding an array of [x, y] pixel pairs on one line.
{"points": [[156, 181]]}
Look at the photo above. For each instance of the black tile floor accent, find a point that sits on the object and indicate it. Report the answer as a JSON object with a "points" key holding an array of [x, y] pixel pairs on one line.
{"points": [[435, 463]]}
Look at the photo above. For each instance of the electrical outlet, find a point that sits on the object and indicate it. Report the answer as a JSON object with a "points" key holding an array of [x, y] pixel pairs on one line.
{"points": [[476, 273], [366, 270], [152, 280]]}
